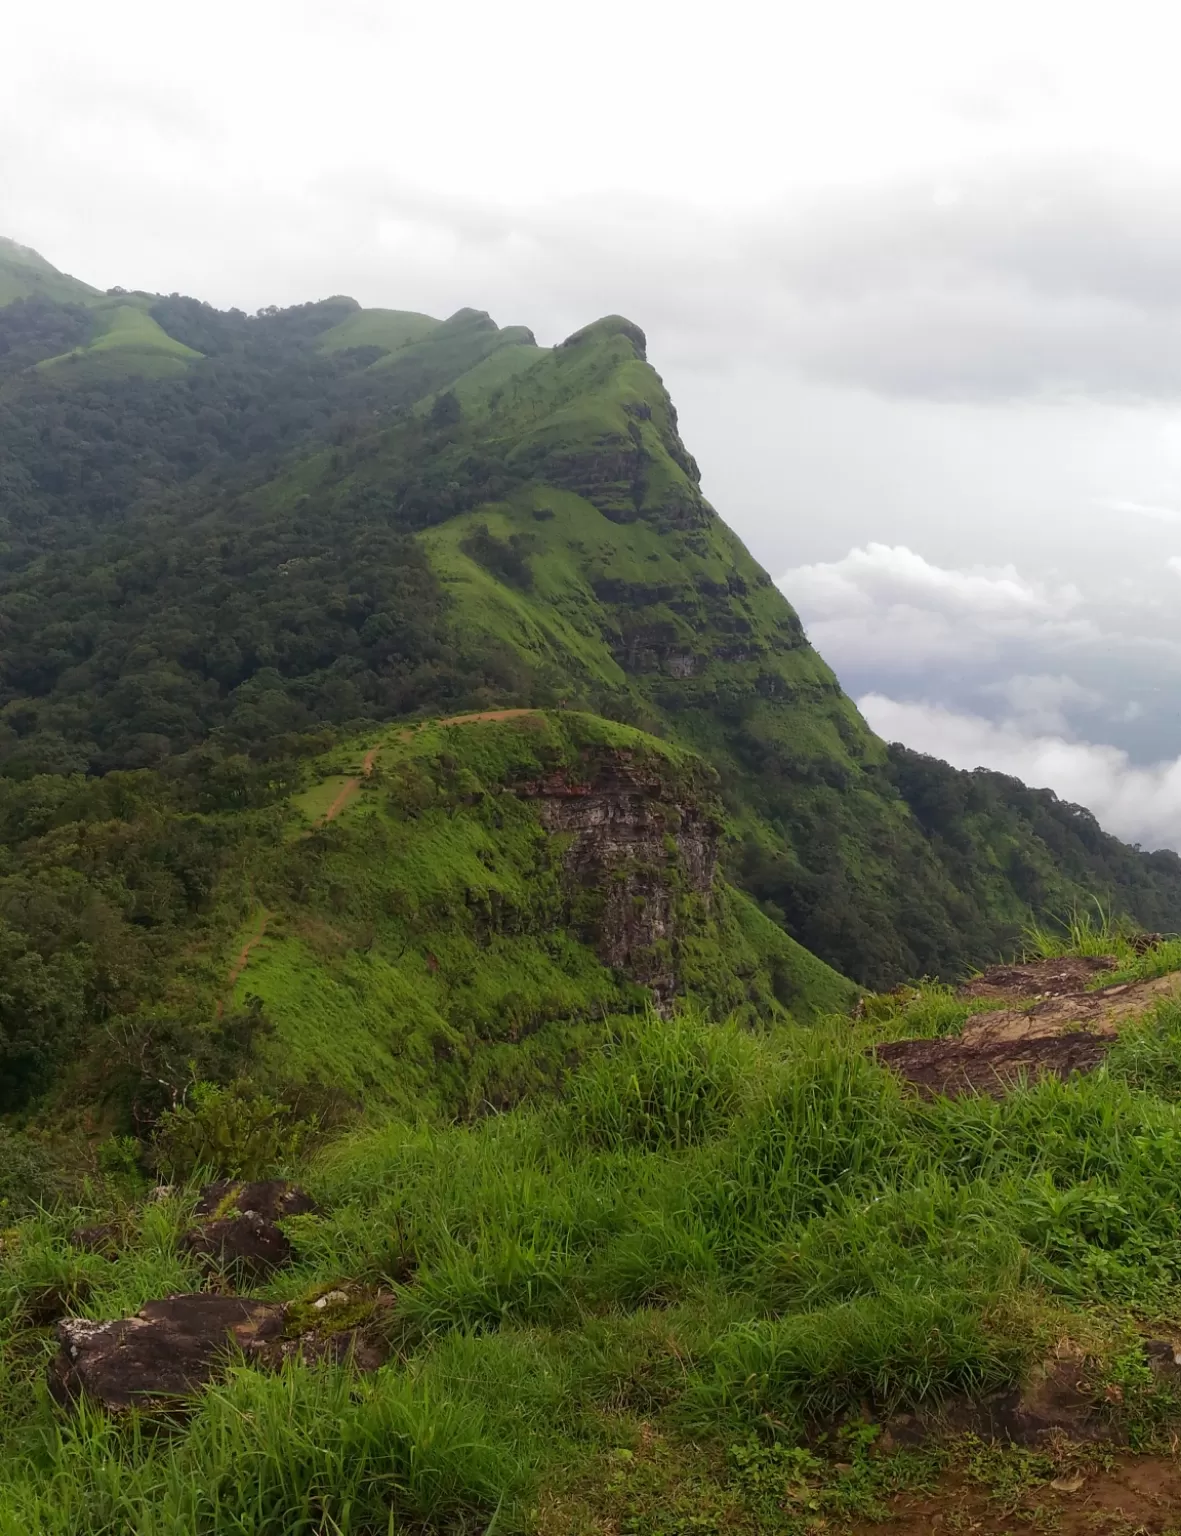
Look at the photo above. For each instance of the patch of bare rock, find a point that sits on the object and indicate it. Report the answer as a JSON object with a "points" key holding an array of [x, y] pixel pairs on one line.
{"points": [[173, 1347], [170, 1349], [238, 1225], [1058, 1023]]}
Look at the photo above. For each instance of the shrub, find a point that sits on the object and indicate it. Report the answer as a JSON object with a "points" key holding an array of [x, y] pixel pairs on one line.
{"points": [[28, 1174], [228, 1131]]}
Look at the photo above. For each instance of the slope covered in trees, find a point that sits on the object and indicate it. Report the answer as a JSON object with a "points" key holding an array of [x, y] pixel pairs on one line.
{"points": [[328, 516]]}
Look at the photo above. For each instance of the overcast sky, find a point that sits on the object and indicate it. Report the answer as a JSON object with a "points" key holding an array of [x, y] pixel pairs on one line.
{"points": [[911, 271]]}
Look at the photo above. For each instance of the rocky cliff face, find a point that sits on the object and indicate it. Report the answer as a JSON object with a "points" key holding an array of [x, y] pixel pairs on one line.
{"points": [[640, 864]]}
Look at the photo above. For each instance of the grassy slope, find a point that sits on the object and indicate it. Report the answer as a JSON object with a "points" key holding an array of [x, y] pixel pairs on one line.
{"points": [[127, 341], [26, 275], [625, 1311], [414, 951], [390, 329]]}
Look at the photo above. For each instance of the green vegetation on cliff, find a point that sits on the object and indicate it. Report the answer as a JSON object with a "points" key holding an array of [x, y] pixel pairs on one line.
{"points": [[436, 918], [335, 518]]}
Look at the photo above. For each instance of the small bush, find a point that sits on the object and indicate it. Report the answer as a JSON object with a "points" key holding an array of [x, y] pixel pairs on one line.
{"points": [[28, 1174], [227, 1131], [896, 1350]]}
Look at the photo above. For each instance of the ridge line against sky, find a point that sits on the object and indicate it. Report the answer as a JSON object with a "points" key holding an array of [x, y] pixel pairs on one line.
{"points": [[912, 275]]}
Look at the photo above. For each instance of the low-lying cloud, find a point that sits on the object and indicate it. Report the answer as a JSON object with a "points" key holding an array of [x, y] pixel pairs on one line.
{"points": [[887, 606], [1139, 804]]}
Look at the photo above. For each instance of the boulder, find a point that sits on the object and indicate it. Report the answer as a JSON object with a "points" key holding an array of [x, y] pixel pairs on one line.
{"points": [[106, 1238], [158, 1359], [241, 1231], [162, 1355]]}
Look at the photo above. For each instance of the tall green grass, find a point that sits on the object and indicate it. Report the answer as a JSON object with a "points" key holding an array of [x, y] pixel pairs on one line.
{"points": [[726, 1234], [1086, 931]]}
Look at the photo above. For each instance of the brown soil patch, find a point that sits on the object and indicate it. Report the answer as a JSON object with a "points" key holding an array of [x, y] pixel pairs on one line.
{"points": [[488, 714], [1038, 978], [1062, 1028], [954, 1068], [1133, 1496]]}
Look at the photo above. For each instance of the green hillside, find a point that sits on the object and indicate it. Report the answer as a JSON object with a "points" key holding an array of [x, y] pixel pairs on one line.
{"points": [[387, 329], [341, 515], [489, 1038], [410, 920], [26, 275], [125, 341]]}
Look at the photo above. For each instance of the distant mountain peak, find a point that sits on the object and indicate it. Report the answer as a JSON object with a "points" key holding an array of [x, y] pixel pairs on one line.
{"points": [[25, 274]]}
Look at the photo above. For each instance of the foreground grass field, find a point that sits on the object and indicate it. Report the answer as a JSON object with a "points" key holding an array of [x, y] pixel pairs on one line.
{"points": [[692, 1295]]}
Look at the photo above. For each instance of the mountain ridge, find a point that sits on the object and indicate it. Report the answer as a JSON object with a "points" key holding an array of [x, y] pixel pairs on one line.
{"points": [[208, 574]]}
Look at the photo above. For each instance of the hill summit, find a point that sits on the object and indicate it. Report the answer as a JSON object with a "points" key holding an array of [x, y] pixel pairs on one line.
{"points": [[239, 549]]}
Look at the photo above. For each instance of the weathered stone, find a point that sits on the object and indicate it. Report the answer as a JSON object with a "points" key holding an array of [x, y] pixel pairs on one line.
{"points": [[106, 1238], [242, 1233], [640, 845], [158, 1359], [164, 1354]]}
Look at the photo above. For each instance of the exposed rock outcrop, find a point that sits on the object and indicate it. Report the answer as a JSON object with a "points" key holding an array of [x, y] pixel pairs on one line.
{"points": [[164, 1354], [242, 1232], [641, 863], [1059, 1021], [172, 1348]]}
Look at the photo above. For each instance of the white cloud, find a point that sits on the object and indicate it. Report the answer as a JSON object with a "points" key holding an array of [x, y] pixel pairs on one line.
{"points": [[1174, 564], [1157, 514], [1140, 804], [1040, 700], [889, 605]]}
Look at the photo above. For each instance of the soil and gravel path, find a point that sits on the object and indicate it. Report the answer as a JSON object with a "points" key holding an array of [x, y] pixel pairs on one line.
{"points": [[1056, 1026], [351, 787], [1131, 1496]]}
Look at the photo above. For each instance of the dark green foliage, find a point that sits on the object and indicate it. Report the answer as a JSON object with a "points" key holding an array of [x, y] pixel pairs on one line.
{"points": [[506, 558], [990, 831], [100, 881], [29, 1175], [34, 329], [227, 1132]]}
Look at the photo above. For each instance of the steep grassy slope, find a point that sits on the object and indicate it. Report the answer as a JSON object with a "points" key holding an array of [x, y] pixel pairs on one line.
{"points": [[434, 917], [434, 943], [126, 342], [26, 275]]}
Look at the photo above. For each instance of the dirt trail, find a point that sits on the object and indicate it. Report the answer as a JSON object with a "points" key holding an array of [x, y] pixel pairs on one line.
{"points": [[1133, 1496], [351, 787], [489, 714], [1056, 1026], [243, 956]]}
